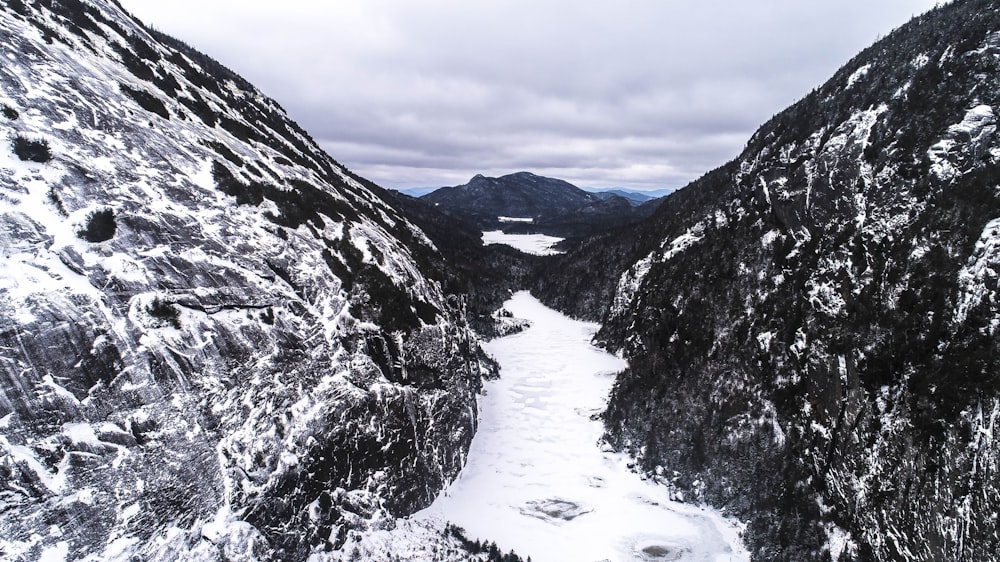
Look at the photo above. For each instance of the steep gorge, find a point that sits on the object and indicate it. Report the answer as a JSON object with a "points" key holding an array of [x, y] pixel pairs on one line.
{"points": [[218, 343]]}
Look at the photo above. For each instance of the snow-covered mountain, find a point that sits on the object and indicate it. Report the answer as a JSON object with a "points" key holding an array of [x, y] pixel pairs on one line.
{"points": [[812, 328], [215, 341]]}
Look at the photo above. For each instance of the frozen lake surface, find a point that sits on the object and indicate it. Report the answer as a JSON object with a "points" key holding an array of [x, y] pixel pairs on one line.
{"points": [[538, 244], [537, 479]]}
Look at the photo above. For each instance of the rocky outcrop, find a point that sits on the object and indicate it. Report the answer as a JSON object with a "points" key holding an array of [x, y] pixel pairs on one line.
{"points": [[215, 341]]}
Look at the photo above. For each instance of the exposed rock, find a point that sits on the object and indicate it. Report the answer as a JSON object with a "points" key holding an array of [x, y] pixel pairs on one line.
{"points": [[811, 328], [217, 343]]}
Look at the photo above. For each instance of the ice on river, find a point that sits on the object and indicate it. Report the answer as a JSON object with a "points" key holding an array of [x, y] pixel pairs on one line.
{"points": [[537, 480]]}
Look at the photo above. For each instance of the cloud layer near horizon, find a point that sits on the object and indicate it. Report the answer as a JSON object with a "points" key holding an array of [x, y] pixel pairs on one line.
{"points": [[640, 93]]}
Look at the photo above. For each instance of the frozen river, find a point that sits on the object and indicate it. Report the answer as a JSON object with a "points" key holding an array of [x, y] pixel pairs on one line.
{"points": [[537, 480]]}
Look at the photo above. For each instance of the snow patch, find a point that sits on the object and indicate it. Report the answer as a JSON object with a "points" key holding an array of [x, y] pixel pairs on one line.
{"points": [[858, 75], [826, 298], [537, 244], [968, 139], [125, 268], [838, 540], [693, 235], [769, 238], [856, 130], [764, 341], [81, 433], [981, 272], [629, 283], [21, 454], [56, 553], [118, 549]]}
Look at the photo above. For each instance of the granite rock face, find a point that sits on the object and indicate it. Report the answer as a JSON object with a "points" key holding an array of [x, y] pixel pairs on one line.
{"points": [[215, 341]]}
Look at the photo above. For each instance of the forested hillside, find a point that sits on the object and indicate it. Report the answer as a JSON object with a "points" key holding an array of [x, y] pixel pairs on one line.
{"points": [[813, 327]]}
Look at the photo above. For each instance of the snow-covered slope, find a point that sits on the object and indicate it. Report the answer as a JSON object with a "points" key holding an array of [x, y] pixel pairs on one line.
{"points": [[812, 328], [215, 341]]}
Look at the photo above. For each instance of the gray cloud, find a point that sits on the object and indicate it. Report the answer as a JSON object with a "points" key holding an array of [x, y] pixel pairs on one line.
{"points": [[638, 93]]}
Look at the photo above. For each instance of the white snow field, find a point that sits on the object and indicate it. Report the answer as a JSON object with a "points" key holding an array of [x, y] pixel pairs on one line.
{"points": [[538, 244], [537, 480]]}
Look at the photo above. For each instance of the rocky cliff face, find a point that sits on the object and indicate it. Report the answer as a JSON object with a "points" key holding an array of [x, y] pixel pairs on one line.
{"points": [[215, 341], [813, 328]]}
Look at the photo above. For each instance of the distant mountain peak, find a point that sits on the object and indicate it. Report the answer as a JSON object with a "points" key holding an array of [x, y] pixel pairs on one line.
{"points": [[556, 206]]}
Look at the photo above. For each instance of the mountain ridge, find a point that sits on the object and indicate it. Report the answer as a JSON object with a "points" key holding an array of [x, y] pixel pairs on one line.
{"points": [[555, 207], [811, 327], [634, 197], [519, 194]]}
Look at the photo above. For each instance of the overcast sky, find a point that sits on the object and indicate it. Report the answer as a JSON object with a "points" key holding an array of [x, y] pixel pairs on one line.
{"points": [[645, 94]]}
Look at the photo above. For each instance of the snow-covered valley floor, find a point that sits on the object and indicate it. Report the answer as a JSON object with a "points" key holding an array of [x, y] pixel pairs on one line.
{"points": [[537, 480]]}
